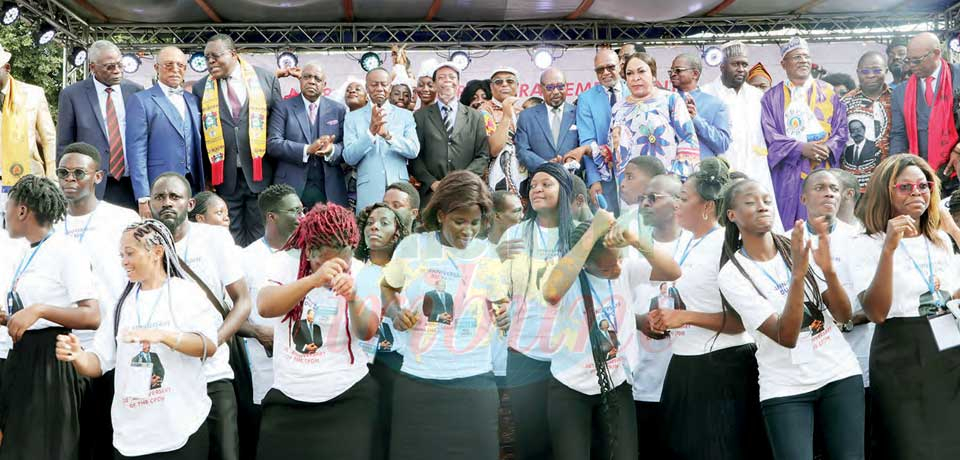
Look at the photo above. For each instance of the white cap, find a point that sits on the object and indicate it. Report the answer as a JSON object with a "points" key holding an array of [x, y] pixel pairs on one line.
{"points": [[505, 69], [426, 68]]}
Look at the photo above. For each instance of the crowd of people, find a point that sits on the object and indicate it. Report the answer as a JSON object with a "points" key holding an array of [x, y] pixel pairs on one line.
{"points": [[739, 269]]}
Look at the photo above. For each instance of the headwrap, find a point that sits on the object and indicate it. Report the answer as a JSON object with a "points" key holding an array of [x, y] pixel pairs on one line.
{"points": [[733, 49], [340, 94], [795, 43], [759, 70], [426, 68], [556, 171]]}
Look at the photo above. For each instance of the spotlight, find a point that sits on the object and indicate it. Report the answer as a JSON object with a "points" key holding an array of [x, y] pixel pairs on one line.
{"points": [[955, 44], [712, 56], [9, 13], [44, 34], [287, 59], [460, 59], [542, 58], [370, 61], [198, 62], [78, 56], [130, 62]]}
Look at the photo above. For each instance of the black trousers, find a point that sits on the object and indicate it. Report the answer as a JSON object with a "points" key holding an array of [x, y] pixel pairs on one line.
{"points": [[384, 371], [246, 222], [651, 435], [195, 449], [574, 416], [222, 421], [120, 192], [96, 428], [528, 381]]}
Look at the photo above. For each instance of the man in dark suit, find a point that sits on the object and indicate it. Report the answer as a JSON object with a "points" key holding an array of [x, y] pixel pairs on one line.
{"points": [[438, 305], [452, 136], [244, 172], [163, 133], [548, 132], [94, 111], [305, 135], [921, 119], [862, 148], [309, 337]]}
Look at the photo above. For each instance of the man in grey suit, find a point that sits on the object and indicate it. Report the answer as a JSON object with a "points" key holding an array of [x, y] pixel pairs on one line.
{"points": [[913, 127], [84, 115], [305, 135], [452, 136], [239, 185], [548, 132]]}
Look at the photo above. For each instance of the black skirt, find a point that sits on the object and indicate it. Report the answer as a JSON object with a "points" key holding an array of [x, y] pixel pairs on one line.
{"points": [[341, 428], [916, 392], [39, 401], [445, 419], [196, 448], [711, 406]]}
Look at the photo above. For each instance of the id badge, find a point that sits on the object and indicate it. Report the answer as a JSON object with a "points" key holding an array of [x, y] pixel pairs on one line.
{"points": [[802, 353], [945, 330], [138, 383]]}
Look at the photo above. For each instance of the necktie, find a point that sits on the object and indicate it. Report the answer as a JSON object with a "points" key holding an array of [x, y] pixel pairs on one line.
{"points": [[175, 91], [116, 164], [928, 92], [613, 96], [232, 98], [447, 119], [555, 124], [856, 153], [313, 113]]}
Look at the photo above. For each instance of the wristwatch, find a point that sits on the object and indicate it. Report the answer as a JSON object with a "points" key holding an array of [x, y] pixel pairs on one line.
{"points": [[846, 327], [143, 200]]}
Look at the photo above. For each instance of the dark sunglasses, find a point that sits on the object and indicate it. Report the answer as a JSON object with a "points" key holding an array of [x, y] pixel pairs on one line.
{"points": [[872, 71], [78, 174]]}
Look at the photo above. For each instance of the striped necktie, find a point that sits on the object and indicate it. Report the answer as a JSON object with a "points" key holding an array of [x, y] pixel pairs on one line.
{"points": [[447, 119], [116, 164]]}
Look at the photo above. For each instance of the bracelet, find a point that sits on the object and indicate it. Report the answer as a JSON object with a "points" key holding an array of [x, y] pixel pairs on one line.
{"points": [[176, 345]]}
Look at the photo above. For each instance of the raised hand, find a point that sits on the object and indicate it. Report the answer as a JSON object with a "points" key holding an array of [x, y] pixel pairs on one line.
{"points": [[603, 220], [406, 319], [508, 249], [799, 250], [328, 271], [898, 228], [821, 255], [68, 347]]}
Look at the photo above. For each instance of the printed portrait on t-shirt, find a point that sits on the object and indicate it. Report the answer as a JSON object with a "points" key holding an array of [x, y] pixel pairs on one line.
{"points": [[307, 336], [812, 318], [667, 298], [385, 342], [606, 330], [438, 304], [148, 357]]}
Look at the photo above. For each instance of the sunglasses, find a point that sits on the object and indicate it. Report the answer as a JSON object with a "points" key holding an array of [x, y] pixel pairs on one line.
{"points": [[554, 87], [174, 65], [906, 188], [606, 68], [678, 70], [918, 60], [78, 174], [872, 71], [501, 81], [110, 67]]}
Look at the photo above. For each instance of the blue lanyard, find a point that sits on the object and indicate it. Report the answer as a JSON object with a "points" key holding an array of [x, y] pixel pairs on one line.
{"points": [[613, 305], [931, 286], [85, 226], [781, 286], [25, 263], [136, 299], [686, 251]]}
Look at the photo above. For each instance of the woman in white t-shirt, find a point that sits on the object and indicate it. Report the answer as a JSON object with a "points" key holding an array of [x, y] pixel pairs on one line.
{"points": [[52, 291], [383, 228], [592, 290], [808, 374], [156, 338], [446, 288], [713, 371], [904, 274], [323, 401]]}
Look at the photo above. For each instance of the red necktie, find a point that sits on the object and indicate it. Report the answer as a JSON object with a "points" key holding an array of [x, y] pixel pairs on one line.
{"points": [[234, 100], [116, 142], [928, 92]]}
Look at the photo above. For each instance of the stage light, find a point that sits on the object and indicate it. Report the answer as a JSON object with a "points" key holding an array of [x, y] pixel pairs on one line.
{"points": [[542, 58], [370, 61], [955, 44], [287, 59], [712, 56], [44, 34], [460, 59], [78, 56], [9, 13], [198, 62], [130, 62]]}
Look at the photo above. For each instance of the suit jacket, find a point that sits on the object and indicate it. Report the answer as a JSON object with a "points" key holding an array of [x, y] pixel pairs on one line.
{"points": [[157, 141], [289, 132], [534, 139], [79, 120], [434, 306], [379, 163], [31, 101], [236, 136], [898, 130], [593, 122], [467, 148], [868, 151]]}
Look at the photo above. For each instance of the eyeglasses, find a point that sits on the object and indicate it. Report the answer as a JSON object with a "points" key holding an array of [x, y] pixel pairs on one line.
{"points": [[653, 197], [78, 174], [918, 60], [554, 87], [907, 188], [111, 66], [606, 68], [866, 72], [678, 70], [297, 210], [174, 65], [501, 81]]}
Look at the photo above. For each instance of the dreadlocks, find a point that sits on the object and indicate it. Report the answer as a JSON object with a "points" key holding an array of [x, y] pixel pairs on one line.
{"points": [[42, 197]]}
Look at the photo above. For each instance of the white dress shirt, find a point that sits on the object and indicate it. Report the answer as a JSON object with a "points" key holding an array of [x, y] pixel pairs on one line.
{"points": [[239, 89], [175, 95]]}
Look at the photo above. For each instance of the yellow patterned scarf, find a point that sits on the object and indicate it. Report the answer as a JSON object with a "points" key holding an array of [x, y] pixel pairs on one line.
{"points": [[256, 123], [14, 144]]}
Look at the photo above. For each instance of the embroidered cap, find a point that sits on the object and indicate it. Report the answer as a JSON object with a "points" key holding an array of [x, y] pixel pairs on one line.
{"points": [[733, 49], [795, 43]]}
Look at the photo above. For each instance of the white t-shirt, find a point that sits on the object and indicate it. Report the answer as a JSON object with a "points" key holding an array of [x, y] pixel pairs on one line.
{"points": [[177, 402], [450, 288], [99, 234], [211, 254], [368, 289], [59, 274], [818, 359], [531, 319], [572, 364], [257, 257], [700, 292], [12, 251], [312, 361]]}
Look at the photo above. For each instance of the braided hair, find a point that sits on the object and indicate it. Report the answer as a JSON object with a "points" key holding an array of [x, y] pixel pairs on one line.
{"points": [[42, 197]]}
